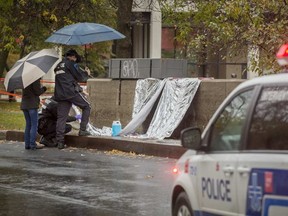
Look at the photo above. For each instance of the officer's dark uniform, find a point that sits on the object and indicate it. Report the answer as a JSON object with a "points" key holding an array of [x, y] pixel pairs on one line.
{"points": [[68, 92], [47, 123]]}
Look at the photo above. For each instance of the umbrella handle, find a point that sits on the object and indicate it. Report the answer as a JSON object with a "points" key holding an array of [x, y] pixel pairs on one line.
{"points": [[87, 70], [85, 54]]}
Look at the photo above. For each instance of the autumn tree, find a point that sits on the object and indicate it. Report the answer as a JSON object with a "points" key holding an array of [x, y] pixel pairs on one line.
{"points": [[25, 24], [229, 26]]}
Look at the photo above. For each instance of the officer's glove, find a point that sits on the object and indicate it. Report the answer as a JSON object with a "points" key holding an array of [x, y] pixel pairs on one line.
{"points": [[78, 117]]}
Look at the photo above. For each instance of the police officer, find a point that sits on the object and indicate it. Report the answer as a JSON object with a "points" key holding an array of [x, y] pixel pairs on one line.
{"points": [[68, 92], [47, 122]]}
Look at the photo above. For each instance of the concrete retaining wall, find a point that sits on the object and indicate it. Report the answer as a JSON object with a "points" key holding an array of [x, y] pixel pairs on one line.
{"points": [[113, 100], [140, 68]]}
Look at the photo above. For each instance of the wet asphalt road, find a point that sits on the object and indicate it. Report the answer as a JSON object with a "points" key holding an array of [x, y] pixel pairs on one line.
{"points": [[52, 182]]}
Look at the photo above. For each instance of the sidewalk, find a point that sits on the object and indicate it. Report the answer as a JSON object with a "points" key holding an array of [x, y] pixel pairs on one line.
{"points": [[160, 148]]}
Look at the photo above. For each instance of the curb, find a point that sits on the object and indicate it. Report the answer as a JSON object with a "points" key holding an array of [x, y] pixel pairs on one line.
{"points": [[159, 148], [2, 135]]}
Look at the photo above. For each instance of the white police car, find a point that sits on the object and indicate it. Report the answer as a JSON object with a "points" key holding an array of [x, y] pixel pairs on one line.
{"points": [[239, 165]]}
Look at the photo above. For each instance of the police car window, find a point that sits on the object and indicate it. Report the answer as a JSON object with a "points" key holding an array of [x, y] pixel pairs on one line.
{"points": [[269, 125], [226, 131]]}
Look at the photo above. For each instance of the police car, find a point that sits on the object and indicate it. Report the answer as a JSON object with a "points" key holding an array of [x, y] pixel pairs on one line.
{"points": [[239, 164]]}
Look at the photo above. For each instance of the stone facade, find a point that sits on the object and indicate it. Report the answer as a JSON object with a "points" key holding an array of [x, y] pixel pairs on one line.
{"points": [[113, 100]]}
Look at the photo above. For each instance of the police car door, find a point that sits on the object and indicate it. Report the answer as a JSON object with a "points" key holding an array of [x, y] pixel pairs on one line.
{"points": [[263, 165], [217, 177]]}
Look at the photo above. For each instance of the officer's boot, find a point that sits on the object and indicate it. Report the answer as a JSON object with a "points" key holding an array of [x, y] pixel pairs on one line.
{"points": [[61, 145], [84, 133]]}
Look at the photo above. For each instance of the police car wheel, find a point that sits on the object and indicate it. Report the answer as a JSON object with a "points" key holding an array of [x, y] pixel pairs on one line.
{"points": [[182, 206]]}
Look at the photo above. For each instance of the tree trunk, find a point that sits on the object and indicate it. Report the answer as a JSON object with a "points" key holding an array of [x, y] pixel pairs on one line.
{"points": [[3, 61], [124, 13]]}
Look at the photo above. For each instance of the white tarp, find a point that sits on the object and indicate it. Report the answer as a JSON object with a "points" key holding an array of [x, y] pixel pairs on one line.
{"points": [[176, 98], [146, 93]]}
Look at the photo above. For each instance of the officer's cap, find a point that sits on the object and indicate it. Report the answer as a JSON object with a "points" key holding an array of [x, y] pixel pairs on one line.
{"points": [[73, 52]]}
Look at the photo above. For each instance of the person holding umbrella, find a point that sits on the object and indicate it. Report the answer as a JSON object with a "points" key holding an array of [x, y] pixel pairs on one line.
{"points": [[68, 92], [29, 105], [26, 74]]}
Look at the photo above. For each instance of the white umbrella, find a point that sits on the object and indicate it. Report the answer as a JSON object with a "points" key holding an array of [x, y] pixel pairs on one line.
{"points": [[30, 68]]}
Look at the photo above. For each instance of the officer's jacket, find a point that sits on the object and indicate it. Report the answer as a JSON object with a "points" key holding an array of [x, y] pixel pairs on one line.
{"points": [[67, 76]]}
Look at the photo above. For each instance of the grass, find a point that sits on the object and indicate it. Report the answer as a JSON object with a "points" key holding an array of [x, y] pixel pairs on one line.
{"points": [[11, 117]]}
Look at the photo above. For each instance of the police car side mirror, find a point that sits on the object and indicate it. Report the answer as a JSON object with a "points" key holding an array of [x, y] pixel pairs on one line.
{"points": [[191, 138]]}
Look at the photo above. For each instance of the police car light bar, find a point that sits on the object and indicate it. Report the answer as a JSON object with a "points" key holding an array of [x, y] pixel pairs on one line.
{"points": [[282, 55]]}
